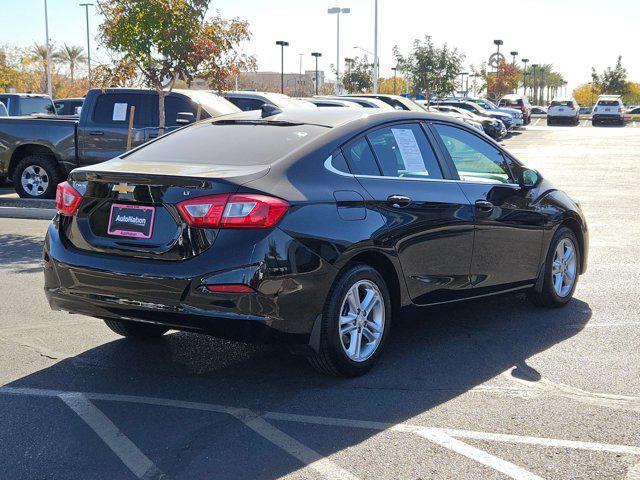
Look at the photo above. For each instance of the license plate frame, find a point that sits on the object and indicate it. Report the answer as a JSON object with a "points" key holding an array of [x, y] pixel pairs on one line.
{"points": [[120, 227]]}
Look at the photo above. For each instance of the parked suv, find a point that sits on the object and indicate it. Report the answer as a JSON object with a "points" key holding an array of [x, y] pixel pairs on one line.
{"points": [[518, 102], [563, 110], [609, 109]]}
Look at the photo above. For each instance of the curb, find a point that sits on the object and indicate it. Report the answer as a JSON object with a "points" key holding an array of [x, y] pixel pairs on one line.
{"points": [[27, 213]]}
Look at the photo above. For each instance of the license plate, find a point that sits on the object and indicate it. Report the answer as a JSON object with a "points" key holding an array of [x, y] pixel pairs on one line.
{"points": [[131, 220], [607, 109], [561, 109]]}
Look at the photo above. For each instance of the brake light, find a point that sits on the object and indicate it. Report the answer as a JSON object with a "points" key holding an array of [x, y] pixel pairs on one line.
{"points": [[233, 211], [230, 288], [67, 199]]}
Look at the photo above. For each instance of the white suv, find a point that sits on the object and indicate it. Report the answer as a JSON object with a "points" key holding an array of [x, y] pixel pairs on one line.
{"points": [[563, 110], [609, 109]]}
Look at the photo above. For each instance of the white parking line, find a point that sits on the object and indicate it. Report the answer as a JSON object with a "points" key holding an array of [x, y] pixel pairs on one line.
{"points": [[584, 124], [118, 442], [536, 122]]}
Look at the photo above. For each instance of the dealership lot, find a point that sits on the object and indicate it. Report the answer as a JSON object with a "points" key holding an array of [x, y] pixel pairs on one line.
{"points": [[493, 389]]}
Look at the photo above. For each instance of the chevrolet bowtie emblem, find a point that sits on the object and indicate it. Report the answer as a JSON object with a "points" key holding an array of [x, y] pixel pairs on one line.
{"points": [[123, 188]]}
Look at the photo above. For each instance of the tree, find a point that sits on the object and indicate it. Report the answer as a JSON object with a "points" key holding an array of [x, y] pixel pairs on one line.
{"points": [[72, 56], [431, 69], [386, 84], [505, 81], [170, 40], [358, 76], [586, 94], [612, 81]]}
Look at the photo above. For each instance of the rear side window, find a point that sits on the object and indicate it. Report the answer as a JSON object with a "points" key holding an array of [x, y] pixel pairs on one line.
{"points": [[361, 159], [404, 151], [114, 109], [174, 105], [246, 104]]}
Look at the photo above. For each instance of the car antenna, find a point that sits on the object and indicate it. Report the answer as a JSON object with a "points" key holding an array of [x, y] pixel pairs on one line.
{"points": [[268, 110]]}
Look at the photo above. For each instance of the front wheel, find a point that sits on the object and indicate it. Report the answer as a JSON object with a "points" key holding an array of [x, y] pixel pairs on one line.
{"points": [[36, 176], [136, 330], [561, 270], [355, 323]]}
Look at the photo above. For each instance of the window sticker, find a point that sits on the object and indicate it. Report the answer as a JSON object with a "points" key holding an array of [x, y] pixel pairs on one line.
{"points": [[409, 150], [119, 112]]}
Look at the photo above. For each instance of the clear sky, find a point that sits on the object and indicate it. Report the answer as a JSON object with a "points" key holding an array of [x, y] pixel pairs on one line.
{"points": [[573, 35]]}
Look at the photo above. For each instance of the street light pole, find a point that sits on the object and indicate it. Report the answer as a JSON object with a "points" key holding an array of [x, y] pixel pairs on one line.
{"points": [[282, 44], [86, 12], [524, 77], [497, 43], [316, 54], [534, 87], [338, 11], [514, 54], [375, 50], [48, 56], [300, 76], [395, 75]]}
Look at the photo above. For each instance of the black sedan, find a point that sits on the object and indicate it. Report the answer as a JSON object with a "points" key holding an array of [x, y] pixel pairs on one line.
{"points": [[310, 228]]}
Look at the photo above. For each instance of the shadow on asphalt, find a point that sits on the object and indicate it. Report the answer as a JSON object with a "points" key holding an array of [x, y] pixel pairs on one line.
{"points": [[432, 356], [18, 252]]}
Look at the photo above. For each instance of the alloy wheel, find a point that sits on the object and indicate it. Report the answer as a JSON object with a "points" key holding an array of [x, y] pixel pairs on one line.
{"points": [[361, 324], [35, 180], [564, 267]]}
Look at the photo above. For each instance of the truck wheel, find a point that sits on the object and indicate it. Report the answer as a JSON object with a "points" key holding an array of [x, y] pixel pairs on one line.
{"points": [[136, 330], [36, 176]]}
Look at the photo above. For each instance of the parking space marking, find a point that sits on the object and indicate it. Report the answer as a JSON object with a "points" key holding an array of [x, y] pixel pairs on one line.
{"points": [[536, 122], [444, 437], [118, 442], [584, 124], [633, 473]]}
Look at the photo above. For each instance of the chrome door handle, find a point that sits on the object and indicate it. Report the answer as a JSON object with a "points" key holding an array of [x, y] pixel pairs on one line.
{"points": [[484, 206], [398, 201]]}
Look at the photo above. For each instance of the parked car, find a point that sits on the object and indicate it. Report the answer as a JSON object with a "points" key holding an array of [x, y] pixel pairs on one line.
{"points": [[608, 109], [25, 104], [461, 115], [331, 102], [563, 110], [364, 102], [397, 102], [492, 127], [250, 100], [68, 106], [516, 114], [3, 110], [311, 228], [518, 102], [39, 152], [585, 111], [633, 111], [505, 118]]}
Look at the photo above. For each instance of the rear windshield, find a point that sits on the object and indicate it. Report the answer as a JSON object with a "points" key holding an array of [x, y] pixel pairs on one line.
{"points": [[564, 103], [212, 143], [608, 103], [32, 105], [511, 103]]}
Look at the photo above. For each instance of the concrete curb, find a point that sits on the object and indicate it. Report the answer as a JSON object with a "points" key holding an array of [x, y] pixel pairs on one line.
{"points": [[27, 213]]}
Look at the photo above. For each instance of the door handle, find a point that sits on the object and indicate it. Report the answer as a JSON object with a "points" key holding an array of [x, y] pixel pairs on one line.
{"points": [[398, 201], [96, 132], [153, 135], [484, 206]]}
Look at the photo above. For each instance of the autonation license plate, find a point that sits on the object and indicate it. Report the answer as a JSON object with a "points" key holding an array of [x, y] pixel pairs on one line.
{"points": [[131, 220]]}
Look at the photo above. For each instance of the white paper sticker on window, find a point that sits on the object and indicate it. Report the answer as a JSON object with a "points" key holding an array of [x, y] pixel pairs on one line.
{"points": [[409, 150], [119, 112]]}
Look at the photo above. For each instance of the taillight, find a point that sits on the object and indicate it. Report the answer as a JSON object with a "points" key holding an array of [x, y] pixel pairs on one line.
{"points": [[67, 199], [233, 211], [230, 288]]}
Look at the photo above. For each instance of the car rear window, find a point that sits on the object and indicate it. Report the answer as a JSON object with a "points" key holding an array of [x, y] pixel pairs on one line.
{"points": [[566, 103], [35, 105], [229, 144], [608, 103], [511, 103]]}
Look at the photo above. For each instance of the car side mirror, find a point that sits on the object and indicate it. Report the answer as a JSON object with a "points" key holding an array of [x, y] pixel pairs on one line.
{"points": [[185, 118], [530, 178]]}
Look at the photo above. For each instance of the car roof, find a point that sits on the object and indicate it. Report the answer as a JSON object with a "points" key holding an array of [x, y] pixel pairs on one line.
{"points": [[512, 96]]}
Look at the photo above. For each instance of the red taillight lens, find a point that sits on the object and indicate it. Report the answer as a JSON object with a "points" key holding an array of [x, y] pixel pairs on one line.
{"points": [[230, 288], [67, 199], [233, 211]]}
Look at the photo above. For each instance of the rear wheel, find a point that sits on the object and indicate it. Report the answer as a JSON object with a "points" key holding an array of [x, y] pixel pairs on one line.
{"points": [[136, 330], [36, 176], [561, 270], [355, 323]]}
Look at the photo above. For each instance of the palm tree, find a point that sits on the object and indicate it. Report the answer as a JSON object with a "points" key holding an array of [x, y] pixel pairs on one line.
{"points": [[72, 56], [39, 53]]}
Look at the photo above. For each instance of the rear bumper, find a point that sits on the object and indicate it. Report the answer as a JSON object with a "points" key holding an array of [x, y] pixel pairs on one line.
{"points": [[600, 118], [288, 294]]}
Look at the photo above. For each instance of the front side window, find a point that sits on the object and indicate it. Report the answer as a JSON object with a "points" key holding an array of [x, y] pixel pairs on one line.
{"points": [[174, 105], [475, 159], [361, 159], [404, 151]]}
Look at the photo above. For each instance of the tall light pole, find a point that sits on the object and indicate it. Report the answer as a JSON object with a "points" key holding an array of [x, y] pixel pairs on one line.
{"points": [[48, 57], [317, 55], [282, 44], [375, 49], [337, 11], [497, 43], [534, 87], [514, 54], [524, 76], [300, 75], [462, 74], [86, 12], [395, 75]]}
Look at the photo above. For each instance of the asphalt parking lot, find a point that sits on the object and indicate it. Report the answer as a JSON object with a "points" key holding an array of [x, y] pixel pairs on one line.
{"points": [[488, 390]]}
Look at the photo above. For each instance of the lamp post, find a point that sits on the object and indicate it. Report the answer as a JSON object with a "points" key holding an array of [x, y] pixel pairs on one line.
{"points": [[514, 54], [534, 87], [497, 43], [337, 11], [282, 44], [48, 57], [395, 76], [375, 49], [524, 76], [316, 55], [349, 62], [86, 12]]}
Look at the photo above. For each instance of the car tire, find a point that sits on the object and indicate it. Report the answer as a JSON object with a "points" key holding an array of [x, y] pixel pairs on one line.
{"points": [[37, 176], [550, 295], [337, 356], [135, 330]]}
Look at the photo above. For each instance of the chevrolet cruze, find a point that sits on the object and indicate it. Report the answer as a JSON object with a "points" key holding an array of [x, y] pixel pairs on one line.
{"points": [[309, 228]]}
